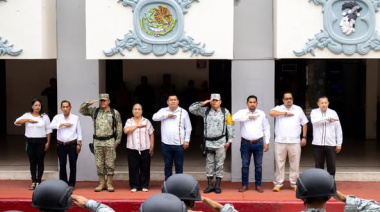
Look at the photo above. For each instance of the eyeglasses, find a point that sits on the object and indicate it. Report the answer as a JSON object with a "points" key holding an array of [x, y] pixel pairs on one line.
{"points": [[287, 99]]}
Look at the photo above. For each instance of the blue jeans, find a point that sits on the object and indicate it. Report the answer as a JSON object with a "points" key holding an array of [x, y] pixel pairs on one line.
{"points": [[246, 150], [172, 153]]}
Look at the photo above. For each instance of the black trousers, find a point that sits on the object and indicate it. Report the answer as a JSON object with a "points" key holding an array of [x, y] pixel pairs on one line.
{"points": [[322, 154], [139, 168], [70, 151], [36, 153]]}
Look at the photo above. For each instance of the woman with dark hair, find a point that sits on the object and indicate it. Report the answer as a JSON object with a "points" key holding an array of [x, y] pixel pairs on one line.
{"points": [[37, 133], [140, 144]]}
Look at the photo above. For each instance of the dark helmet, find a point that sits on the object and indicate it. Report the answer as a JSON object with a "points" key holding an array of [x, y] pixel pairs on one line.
{"points": [[314, 183], [163, 202], [184, 186], [52, 195]]}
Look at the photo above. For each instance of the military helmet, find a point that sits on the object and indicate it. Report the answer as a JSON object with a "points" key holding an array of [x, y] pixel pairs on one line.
{"points": [[163, 202], [184, 186], [315, 183], [52, 195]]}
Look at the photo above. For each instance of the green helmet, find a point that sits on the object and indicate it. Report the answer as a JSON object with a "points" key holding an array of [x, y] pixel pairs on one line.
{"points": [[314, 183], [163, 202], [52, 195], [184, 186]]}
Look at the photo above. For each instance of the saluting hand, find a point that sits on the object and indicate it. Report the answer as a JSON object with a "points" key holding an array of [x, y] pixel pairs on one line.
{"points": [[93, 101], [171, 115]]}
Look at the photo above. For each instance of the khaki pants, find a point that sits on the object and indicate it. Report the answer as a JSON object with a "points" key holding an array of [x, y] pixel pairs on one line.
{"points": [[281, 151]]}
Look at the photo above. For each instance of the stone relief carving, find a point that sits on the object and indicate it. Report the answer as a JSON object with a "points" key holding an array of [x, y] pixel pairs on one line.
{"points": [[348, 27], [158, 29]]}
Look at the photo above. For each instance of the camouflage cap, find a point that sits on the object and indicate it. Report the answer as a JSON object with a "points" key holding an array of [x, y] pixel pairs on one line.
{"points": [[104, 96], [215, 96]]}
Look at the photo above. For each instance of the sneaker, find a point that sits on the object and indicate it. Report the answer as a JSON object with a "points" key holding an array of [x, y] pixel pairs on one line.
{"points": [[276, 188], [33, 186], [145, 190], [294, 188], [133, 190]]}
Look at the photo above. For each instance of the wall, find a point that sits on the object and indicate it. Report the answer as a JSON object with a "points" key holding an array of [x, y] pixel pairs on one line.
{"points": [[25, 79], [31, 26], [296, 21], [253, 73], [108, 20]]}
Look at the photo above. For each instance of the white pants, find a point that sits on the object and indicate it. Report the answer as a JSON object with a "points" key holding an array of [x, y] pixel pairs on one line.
{"points": [[293, 151]]}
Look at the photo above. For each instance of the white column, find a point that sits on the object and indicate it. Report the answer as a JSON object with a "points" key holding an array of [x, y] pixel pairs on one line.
{"points": [[253, 73], [78, 78]]}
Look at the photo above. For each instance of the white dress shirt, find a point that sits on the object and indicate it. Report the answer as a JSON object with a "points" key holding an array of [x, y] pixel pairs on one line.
{"points": [[253, 129], [36, 130], [326, 133], [64, 133], [139, 139], [175, 130], [287, 129]]}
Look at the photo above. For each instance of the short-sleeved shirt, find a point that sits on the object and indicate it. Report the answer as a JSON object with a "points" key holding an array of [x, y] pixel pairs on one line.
{"points": [[139, 139], [288, 129], [36, 130]]}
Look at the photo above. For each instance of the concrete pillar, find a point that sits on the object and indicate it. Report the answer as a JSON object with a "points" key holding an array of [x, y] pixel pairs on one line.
{"points": [[371, 99], [253, 73], [78, 78]]}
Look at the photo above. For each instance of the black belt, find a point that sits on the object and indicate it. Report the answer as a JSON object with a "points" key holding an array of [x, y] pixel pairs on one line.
{"points": [[103, 138], [214, 138], [251, 141], [67, 143]]}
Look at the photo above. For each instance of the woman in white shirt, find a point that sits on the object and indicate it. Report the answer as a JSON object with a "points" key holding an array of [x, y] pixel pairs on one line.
{"points": [[140, 144], [37, 133]]}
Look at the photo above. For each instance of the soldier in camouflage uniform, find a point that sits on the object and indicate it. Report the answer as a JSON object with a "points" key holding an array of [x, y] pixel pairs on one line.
{"points": [[106, 138], [217, 126], [316, 186]]}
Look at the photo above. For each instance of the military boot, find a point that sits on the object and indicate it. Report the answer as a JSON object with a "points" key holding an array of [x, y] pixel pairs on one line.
{"points": [[110, 188], [210, 187], [101, 185], [217, 185]]}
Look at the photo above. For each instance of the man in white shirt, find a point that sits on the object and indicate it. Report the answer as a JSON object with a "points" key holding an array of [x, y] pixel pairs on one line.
{"points": [[69, 141], [327, 135], [254, 130], [288, 121], [175, 134]]}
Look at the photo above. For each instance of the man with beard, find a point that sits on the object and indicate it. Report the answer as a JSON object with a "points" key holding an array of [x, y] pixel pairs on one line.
{"points": [[254, 129]]}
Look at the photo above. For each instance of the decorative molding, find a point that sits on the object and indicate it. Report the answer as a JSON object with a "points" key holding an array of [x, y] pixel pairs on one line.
{"points": [[159, 29], [8, 49], [348, 27]]}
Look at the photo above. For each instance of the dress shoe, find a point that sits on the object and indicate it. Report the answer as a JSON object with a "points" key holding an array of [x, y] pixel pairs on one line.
{"points": [[243, 189], [259, 189], [276, 188]]}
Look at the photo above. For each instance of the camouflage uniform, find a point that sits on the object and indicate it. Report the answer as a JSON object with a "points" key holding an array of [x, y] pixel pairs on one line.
{"points": [[354, 204], [104, 150], [214, 162], [92, 205]]}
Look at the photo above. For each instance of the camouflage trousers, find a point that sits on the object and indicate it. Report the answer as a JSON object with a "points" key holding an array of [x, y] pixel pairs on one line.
{"points": [[215, 161], [105, 157]]}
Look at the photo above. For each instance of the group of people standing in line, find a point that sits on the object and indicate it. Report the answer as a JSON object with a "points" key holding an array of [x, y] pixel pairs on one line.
{"points": [[290, 135]]}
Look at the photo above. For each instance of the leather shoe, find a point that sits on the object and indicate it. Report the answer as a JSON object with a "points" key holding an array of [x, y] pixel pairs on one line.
{"points": [[259, 189], [243, 189]]}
